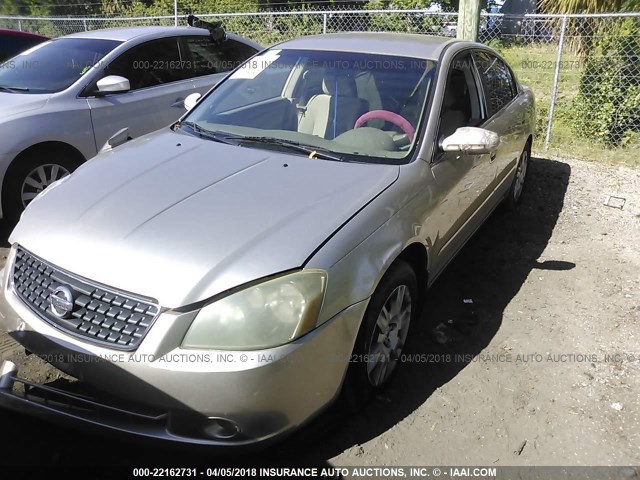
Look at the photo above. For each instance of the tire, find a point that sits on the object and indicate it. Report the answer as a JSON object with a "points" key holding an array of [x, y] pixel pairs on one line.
{"points": [[377, 352], [514, 195], [32, 173]]}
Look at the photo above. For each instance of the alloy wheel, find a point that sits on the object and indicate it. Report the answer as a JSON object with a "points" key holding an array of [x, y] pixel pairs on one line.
{"points": [[40, 178], [521, 174], [390, 334]]}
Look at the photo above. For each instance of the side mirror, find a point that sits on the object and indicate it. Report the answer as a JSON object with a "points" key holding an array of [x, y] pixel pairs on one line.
{"points": [[118, 138], [113, 84], [191, 100], [471, 141]]}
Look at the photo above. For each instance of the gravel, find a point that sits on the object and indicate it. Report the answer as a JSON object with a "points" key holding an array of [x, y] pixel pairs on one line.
{"points": [[542, 367]]}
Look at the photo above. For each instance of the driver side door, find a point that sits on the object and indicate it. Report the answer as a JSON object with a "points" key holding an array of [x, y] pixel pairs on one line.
{"points": [[158, 87], [462, 182]]}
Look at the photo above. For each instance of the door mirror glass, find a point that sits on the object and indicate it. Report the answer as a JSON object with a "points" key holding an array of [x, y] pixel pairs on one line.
{"points": [[113, 84], [471, 141], [191, 100]]}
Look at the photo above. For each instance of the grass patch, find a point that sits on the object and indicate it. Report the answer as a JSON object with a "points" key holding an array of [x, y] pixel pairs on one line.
{"points": [[534, 66]]}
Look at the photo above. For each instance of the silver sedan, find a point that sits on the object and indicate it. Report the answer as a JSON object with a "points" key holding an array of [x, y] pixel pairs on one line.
{"points": [[61, 100], [223, 280]]}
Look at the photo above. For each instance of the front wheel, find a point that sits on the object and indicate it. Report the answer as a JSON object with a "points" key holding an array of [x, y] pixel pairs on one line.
{"points": [[31, 176], [515, 192], [383, 333]]}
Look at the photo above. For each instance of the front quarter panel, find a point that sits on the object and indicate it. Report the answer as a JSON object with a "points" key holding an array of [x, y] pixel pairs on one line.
{"points": [[359, 254], [64, 119]]}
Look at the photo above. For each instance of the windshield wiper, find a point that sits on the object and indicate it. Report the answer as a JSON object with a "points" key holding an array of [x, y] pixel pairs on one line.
{"points": [[4, 88], [204, 133], [313, 152]]}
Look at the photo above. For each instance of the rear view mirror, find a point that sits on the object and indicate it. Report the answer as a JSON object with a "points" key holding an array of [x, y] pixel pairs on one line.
{"points": [[191, 100], [113, 84], [471, 141]]}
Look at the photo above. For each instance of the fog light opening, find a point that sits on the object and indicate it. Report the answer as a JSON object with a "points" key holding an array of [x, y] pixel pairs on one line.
{"points": [[221, 428]]}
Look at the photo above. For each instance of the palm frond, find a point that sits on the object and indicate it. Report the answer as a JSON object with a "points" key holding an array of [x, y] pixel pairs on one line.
{"points": [[580, 6]]}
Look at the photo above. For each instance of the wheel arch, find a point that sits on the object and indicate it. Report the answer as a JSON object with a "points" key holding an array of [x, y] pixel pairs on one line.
{"points": [[46, 148], [529, 142], [356, 391], [415, 254]]}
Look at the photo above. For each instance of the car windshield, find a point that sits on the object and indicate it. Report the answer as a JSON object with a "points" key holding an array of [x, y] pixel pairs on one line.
{"points": [[335, 105], [52, 66]]}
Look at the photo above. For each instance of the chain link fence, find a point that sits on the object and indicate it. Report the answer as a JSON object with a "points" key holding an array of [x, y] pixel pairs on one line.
{"points": [[584, 69]]}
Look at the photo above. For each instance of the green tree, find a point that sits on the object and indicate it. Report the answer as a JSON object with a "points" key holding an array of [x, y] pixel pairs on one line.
{"points": [[45, 8], [607, 106], [589, 6], [166, 7]]}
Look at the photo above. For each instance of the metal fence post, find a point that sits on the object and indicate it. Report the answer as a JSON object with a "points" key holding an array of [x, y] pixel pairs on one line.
{"points": [[556, 78], [20, 25], [84, 22], [324, 23], [175, 13]]}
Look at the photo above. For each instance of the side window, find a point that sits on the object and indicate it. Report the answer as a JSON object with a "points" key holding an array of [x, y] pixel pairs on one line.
{"points": [[497, 81], [150, 64], [208, 58], [461, 102]]}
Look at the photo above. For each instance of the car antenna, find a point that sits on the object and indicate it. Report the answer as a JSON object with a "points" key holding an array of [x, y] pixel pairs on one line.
{"points": [[215, 28]]}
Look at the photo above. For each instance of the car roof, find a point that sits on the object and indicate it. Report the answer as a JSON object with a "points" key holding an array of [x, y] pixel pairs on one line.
{"points": [[413, 45], [129, 33], [126, 34], [17, 33]]}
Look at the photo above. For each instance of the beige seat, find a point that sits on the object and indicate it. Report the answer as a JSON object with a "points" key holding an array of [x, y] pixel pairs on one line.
{"points": [[456, 105], [334, 111]]}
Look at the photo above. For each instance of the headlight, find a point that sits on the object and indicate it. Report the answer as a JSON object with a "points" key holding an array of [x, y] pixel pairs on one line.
{"points": [[265, 315]]}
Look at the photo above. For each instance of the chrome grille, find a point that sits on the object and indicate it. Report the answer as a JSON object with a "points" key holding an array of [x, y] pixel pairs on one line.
{"points": [[99, 314]]}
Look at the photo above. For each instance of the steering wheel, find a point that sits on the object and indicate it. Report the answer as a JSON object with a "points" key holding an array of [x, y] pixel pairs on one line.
{"points": [[390, 117]]}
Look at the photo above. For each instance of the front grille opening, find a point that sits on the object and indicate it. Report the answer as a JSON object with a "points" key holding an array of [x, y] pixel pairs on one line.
{"points": [[81, 399], [99, 314]]}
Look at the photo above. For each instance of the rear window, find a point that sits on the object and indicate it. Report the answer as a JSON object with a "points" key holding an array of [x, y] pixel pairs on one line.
{"points": [[209, 57]]}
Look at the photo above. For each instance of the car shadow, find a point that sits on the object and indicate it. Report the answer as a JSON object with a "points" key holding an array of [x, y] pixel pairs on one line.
{"points": [[489, 271], [6, 227]]}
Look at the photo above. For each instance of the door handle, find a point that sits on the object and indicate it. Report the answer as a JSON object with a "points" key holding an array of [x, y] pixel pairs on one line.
{"points": [[492, 156]]}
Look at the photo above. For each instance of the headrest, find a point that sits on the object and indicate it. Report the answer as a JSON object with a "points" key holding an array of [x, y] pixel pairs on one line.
{"points": [[456, 88], [339, 85]]}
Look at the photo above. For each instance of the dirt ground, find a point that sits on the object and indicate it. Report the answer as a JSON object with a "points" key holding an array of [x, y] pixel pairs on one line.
{"points": [[543, 368]]}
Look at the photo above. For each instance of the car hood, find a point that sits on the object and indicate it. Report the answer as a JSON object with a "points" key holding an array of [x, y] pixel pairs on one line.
{"points": [[181, 219], [16, 103]]}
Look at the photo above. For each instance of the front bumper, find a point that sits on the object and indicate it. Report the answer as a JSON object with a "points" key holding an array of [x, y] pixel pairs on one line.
{"points": [[165, 392]]}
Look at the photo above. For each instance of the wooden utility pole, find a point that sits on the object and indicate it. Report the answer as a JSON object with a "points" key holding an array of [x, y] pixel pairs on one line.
{"points": [[468, 20]]}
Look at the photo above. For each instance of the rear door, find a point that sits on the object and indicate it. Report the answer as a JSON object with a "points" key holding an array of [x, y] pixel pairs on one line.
{"points": [[156, 72], [505, 115]]}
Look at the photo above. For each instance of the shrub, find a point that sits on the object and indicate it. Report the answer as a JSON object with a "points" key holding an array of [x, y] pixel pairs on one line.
{"points": [[403, 22], [608, 102], [542, 118]]}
